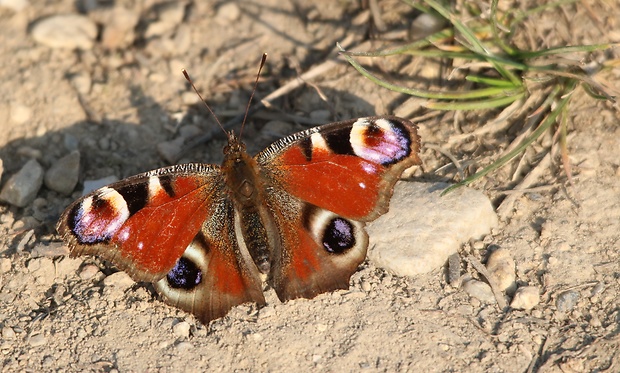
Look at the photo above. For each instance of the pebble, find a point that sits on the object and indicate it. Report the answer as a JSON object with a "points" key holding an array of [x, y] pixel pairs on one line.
{"points": [[170, 15], [62, 177], [226, 13], [90, 185], [69, 31], [89, 271], [14, 5], [43, 269], [8, 333], [20, 114], [69, 141], [366, 286], [67, 267], [119, 280], [422, 228], [320, 115], [21, 245], [49, 250], [479, 290], [5, 265], [181, 329], [526, 298], [38, 340], [501, 267], [118, 31], [83, 83], [567, 300], [22, 188], [454, 270], [170, 151], [184, 346]]}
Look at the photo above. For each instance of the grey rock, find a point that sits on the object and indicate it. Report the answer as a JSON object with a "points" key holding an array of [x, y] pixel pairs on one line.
{"points": [[501, 267], [69, 31], [14, 5], [526, 298], [62, 177], [567, 300], [479, 290], [422, 228], [22, 188], [90, 185]]}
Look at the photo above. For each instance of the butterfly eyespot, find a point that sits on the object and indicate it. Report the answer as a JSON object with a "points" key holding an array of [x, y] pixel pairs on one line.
{"points": [[339, 236], [185, 275]]}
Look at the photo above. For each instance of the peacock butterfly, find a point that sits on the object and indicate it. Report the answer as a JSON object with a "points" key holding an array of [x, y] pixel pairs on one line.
{"points": [[204, 234]]}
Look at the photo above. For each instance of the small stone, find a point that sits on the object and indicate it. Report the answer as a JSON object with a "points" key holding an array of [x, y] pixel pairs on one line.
{"points": [[70, 31], [89, 271], [5, 265], [67, 267], [22, 188], [408, 242], [567, 300], [170, 16], [170, 151], [226, 13], [501, 267], [320, 115], [43, 269], [83, 83], [366, 286], [14, 5], [62, 177], [184, 346], [91, 185], [118, 31], [49, 250], [181, 329], [48, 361], [69, 141], [8, 333], [20, 114], [267, 312], [38, 340], [525, 298], [119, 280], [190, 131], [479, 290], [454, 270]]}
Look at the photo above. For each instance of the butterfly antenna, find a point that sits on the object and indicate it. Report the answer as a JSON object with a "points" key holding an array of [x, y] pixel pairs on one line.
{"points": [[247, 109], [202, 99]]}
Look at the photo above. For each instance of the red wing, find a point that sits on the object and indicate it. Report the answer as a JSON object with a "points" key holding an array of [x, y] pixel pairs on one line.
{"points": [[324, 184], [143, 224], [349, 168]]}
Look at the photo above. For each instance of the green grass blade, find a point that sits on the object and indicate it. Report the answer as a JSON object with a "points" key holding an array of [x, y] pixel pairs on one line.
{"points": [[544, 126]]}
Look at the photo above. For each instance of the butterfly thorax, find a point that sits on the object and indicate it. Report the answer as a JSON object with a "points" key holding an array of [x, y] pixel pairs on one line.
{"points": [[247, 193]]}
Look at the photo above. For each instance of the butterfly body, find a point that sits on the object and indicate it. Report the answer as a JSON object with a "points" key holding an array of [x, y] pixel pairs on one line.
{"points": [[295, 212]]}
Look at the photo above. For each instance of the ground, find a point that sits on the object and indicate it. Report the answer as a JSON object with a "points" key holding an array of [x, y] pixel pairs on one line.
{"points": [[124, 104]]}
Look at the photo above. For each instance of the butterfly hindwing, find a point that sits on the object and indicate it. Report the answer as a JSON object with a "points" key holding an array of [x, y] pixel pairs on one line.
{"points": [[214, 273]]}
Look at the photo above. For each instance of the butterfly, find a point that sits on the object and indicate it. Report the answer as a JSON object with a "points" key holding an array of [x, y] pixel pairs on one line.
{"points": [[293, 215]]}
